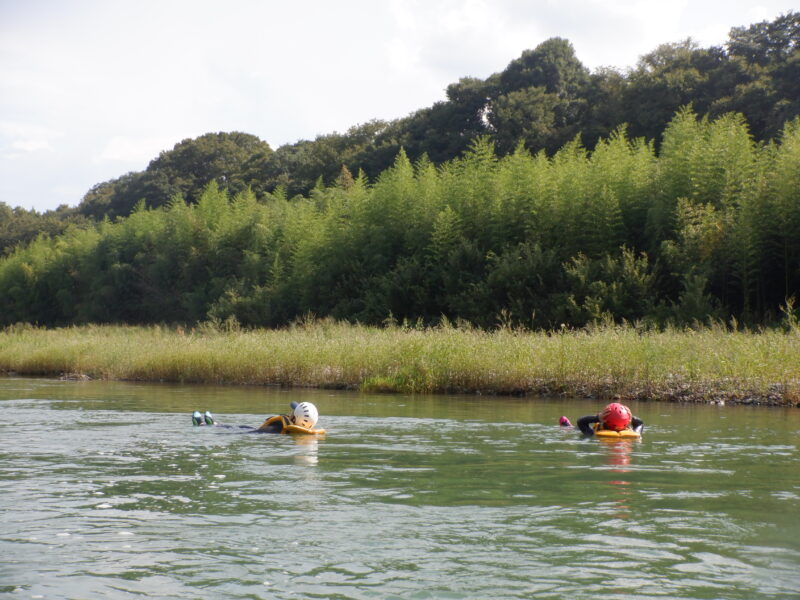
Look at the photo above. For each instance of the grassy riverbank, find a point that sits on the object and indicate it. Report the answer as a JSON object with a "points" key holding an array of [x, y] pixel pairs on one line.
{"points": [[677, 365]]}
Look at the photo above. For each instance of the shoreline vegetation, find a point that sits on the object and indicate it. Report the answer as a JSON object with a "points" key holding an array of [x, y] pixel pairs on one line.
{"points": [[709, 365], [704, 229]]}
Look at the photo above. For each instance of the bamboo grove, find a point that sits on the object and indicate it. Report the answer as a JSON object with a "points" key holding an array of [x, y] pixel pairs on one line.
{"points": [[708, 228]]}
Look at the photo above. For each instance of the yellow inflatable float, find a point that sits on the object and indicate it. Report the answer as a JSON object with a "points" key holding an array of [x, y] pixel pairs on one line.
{"points": [[610, 434], [288, 427]]}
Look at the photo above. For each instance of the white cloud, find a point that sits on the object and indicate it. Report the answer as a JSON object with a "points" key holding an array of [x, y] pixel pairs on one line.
{"points": [[453, 39], [17, 129], [133, 150], [21, 139], [31, 145]]}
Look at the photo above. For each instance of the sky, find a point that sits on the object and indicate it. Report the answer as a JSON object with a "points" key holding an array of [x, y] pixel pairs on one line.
{"points": [[93, 89]]}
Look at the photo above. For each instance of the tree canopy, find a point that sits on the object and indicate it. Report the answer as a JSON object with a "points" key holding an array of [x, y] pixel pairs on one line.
{"points": [[542, 99], [227, 158], [706, 228], [546, 193]]}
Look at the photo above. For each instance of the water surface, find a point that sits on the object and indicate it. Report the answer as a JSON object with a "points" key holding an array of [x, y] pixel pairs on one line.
{"points": [[107, 491]]}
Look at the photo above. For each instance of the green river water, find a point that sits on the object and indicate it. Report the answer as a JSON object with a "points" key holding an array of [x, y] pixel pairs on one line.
{"points": [[107, 491]]}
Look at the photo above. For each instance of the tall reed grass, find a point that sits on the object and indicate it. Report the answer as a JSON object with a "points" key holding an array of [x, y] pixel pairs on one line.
{"points": [[712, 364]]}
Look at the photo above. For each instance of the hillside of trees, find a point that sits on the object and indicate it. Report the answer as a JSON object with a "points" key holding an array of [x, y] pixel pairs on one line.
{"points": [[541, 195], [544, 98], [705, 228]]}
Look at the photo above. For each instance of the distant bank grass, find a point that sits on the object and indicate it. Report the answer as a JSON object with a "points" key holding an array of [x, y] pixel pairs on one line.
{"points": [[681, 365]]}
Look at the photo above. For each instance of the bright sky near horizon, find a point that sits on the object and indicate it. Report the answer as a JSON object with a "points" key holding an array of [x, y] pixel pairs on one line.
{"points": [[93, 89]]}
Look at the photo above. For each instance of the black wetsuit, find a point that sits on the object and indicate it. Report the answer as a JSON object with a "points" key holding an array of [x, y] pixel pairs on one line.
{"points": [[275, 424], [275, 427], [585, 424]]}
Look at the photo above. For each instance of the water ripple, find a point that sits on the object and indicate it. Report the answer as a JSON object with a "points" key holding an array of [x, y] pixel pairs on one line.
{"points": [[100, 505]]}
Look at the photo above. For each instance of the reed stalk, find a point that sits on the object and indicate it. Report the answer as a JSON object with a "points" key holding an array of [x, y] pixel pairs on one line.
{"points": [[708, 365]]}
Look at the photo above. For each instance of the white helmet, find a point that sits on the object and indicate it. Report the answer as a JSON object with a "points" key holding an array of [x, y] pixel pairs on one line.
{"points": [[306, 415]]}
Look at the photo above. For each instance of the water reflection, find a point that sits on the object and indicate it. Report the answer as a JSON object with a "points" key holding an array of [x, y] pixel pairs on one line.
{"points": [[618, 458], [308, 445], [618, 453]]}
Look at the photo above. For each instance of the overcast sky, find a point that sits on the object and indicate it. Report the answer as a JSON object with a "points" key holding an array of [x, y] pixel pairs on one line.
{"points": [[93, 89]]}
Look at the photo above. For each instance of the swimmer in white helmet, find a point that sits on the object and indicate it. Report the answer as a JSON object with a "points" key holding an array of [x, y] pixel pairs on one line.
{"points": [[304, 415]]}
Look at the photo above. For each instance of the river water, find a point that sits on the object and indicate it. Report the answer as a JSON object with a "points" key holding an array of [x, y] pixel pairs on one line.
{"points": [[107, 491]]}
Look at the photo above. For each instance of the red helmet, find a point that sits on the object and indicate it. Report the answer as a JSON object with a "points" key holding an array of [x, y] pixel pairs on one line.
{"points": [[615, 416]]}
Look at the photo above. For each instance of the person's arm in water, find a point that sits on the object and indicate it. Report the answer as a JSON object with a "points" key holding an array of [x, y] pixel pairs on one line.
{"points": [[273, 424], [585, 424]]}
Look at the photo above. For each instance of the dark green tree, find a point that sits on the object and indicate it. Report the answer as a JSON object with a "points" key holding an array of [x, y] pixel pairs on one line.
{"points": [[184, 170]]}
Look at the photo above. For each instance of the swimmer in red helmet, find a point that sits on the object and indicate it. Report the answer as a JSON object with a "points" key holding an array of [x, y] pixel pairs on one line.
{"points": [[615, 416]]}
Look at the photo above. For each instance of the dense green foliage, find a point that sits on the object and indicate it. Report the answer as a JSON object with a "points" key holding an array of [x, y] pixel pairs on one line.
{"points": [[226, 158], [543, 99], [20, 226], [521, 199], [706, 228]]}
